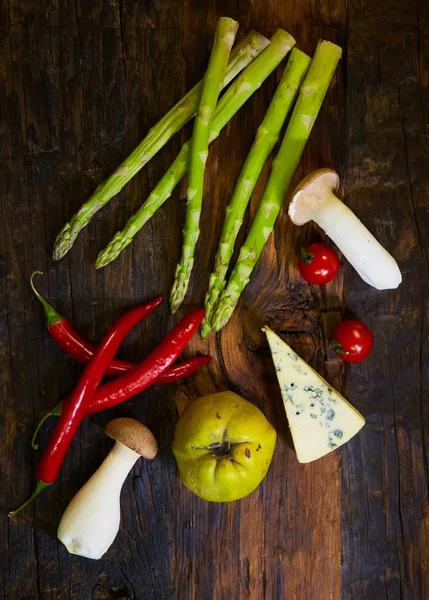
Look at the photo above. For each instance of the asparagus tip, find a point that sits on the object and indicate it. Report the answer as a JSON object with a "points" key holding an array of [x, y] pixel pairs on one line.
{"points": [[205, 329], [106, 256]]}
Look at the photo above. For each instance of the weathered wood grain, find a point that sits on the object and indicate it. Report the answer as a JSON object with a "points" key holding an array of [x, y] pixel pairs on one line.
{"points": [[80, 84], [385, 526]]}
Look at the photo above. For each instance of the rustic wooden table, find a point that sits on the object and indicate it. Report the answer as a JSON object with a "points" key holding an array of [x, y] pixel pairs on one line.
{"points": [[80, 84]]}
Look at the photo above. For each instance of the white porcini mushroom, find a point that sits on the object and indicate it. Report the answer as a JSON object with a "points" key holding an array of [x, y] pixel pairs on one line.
{"points": [[314, 199], [91, 521]]}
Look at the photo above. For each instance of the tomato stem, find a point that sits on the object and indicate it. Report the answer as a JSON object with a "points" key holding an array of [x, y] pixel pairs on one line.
{"points": [[338, 348], [306, 256]]}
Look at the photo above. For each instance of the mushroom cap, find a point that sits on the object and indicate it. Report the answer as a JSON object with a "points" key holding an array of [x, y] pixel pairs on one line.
{"points": [[312, 194], [134, 435]]}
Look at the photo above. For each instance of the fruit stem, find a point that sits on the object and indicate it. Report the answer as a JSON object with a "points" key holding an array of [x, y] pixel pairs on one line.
{"points": [[306, 256]]}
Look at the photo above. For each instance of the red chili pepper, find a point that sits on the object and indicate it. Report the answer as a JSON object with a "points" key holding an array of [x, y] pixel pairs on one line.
{"points": [[184, 369], [70, 341], [149, 370], [62, 332], [81, 350], [74, 411]]}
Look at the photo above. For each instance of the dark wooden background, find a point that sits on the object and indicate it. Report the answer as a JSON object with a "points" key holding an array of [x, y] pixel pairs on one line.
{"points": [[81, 82]]}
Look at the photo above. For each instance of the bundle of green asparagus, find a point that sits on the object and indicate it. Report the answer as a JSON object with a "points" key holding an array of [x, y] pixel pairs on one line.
{"points": [[241, 56], [246, 84], [311, 95], [267, 136], [249, 64]]}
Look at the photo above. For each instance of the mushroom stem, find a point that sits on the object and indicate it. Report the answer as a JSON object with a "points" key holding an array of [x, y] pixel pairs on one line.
{"points": [[119, 462], [363, 251], [91, 521]]}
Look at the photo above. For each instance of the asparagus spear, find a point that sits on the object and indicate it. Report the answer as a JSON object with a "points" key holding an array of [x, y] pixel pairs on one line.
{"points": [[267, 136], [225, 34], [243, 54], [310, 99], [233, 99]]}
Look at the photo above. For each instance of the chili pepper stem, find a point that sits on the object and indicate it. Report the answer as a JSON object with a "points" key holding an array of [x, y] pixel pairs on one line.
{"points": [[39, 489], [52, 317], [55, 412]]}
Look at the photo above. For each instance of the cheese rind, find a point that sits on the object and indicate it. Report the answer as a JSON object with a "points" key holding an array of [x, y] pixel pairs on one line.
{"points": [[320, 419]]}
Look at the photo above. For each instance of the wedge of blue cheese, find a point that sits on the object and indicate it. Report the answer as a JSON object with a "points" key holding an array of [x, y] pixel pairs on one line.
{"points": [[320, 419]]}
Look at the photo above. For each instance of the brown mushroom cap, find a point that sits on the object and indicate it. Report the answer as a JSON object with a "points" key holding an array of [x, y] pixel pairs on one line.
{"points": [[134, 435], [312, 194]]}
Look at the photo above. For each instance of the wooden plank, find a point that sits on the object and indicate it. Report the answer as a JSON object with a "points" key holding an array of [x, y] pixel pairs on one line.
{"points": [[385, 496], [80, 84]]}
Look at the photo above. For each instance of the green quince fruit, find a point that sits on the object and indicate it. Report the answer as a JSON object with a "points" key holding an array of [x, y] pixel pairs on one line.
{"points": [[223, 446]]}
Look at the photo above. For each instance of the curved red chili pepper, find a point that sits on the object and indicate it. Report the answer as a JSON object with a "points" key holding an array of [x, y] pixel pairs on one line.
{"points": [[73, 412], [62, 332], [149, 370], [81, 350], [184, 369]]}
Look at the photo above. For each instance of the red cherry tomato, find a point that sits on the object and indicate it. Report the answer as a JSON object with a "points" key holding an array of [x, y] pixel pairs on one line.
{"points": [[318, 263], [352, 340]]}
